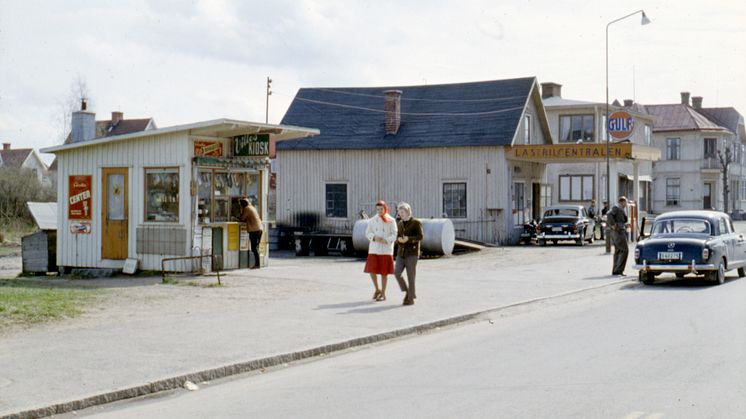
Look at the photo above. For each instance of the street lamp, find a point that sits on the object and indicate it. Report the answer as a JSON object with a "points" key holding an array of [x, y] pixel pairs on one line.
{"points": [[644, 21]]}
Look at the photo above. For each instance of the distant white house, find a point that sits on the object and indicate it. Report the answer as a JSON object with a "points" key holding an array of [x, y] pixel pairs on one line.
{"points": [[24, 158]]}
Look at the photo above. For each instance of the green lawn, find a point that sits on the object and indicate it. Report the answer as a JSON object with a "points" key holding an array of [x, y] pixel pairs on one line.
{"points": [[24, 302]]}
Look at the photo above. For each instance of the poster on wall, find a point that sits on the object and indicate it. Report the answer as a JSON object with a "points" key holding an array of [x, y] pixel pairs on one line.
{"points": [[244, 239], [80, 201], [208, 148], [233, 236], [80, 227]]}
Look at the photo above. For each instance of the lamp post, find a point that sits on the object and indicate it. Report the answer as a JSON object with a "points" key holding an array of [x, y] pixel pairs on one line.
{"points": [[644, 21]]}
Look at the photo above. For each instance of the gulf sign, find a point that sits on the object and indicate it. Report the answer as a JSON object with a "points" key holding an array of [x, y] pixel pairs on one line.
{"points": [[621, 124]]}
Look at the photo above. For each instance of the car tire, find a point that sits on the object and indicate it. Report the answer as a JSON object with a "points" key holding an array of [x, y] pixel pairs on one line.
{"points": [[718, 276], [646, 278], [680, 274], [581, 241], [741, 272]]}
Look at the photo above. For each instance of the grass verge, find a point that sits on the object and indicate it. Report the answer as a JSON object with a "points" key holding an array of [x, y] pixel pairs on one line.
{"points": [[25, 302]]}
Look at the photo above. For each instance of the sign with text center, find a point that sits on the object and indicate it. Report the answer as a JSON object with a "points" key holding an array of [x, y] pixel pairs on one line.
{"points": [[251, 145]]}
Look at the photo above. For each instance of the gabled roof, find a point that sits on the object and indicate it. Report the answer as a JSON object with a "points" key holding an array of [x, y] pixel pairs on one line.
{"points": [[15, 158], [53, 166], [558, 101], [679, 117], [124, 126], [726, 117], [446, 115]]}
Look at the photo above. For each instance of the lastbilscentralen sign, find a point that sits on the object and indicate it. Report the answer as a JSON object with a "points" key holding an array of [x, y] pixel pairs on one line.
{"points": [[251, 145]]}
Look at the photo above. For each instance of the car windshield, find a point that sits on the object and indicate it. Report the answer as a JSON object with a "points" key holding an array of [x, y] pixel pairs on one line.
{"points": [[681, 226], [561, 212]]}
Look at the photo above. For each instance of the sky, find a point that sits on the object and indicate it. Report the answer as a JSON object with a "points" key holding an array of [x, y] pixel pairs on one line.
{"points": [[189, 61]]}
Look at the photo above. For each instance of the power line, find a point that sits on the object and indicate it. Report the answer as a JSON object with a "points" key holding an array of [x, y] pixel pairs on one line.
{"points": [[422, 100]]}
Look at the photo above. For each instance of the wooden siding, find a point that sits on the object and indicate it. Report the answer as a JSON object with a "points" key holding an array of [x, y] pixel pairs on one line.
{"points": [[412, 175], [167, 150]]}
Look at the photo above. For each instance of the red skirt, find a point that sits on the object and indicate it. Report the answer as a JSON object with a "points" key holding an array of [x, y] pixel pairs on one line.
{"points": [[379, 264]]}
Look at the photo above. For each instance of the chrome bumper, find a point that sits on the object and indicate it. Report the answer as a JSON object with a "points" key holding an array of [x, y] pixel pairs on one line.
{"points": [[558, 236], [691, 267]]}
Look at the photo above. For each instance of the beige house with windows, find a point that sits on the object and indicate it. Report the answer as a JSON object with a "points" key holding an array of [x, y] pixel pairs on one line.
{"points": [[690, 137], [581, 180]]}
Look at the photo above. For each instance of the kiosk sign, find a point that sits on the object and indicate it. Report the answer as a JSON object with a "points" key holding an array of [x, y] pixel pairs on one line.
{"points": [[251, 145], [79, 203], [621, 124]]}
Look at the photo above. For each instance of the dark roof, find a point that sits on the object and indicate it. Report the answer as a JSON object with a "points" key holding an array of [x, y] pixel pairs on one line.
{"points": [[679, 117], [53, 166], [727, 117], [15, 157], [125, 126], [464, 114]]}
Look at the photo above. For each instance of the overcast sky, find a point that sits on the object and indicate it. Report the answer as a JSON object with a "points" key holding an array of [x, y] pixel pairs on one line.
{"points": [[189, 61]]}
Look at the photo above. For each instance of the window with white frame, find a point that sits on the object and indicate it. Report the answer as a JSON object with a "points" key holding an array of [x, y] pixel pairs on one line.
{"points": [[648, 134], [336, 200], [710, 148], [527, 131], [545, 199], [673, 148], [519, 203], [454, 199], [576, 127], [673, 191], [162, 194], [576, 187]]}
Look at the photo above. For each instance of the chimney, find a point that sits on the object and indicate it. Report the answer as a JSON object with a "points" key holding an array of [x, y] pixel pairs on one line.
{"points": [[685, 98], [392, 111], [6, 146], [697, 102], [628, 103], [551, 90], [83, 124], [116, 117]]}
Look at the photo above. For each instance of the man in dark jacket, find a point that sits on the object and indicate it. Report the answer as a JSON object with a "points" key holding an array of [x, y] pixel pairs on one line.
{"points": [[409, 235], [616, 219]]}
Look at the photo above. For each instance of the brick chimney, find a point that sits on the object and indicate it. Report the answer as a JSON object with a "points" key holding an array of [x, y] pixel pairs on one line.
{"points": [[392, 111], [551, 90], [697, 102], [628, 103], [83, 124], [116, 117], [685, 98], [6, 146]]}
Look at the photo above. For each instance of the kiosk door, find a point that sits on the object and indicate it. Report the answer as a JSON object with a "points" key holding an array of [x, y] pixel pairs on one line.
{"points": [[114, 232]]}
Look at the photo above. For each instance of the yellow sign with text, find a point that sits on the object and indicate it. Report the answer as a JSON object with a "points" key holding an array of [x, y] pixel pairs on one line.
{"points": [[570, 151]]}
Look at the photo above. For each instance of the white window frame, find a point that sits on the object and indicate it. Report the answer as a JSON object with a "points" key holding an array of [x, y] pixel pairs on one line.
{"points": [[443, 197], [156, 170], [671, 199], [527, 129], [673, 148], [583, 178]]}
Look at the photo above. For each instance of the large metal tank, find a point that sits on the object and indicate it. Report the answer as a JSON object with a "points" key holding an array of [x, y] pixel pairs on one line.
{"points": [[439, 236]]}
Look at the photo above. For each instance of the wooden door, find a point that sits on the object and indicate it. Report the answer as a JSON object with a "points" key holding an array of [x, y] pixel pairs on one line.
{"points": [[115, 213]]}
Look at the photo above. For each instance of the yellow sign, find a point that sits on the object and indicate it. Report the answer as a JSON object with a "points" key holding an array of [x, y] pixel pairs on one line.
{"points": [[571, 151], [233, 236]]}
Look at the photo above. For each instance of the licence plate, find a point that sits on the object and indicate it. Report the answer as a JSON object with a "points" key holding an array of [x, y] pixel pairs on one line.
{"points": [[669, 255], [556, 228]]}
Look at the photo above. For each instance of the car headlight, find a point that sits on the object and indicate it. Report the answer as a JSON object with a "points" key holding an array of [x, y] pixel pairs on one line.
{"points": [[705, 253]]}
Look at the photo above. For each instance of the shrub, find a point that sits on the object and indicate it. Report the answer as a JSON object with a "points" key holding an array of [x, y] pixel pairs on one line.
{"points": [[17, 187]]}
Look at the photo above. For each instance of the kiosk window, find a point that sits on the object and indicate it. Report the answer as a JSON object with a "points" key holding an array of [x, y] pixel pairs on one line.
{"points": [[162, 195], [336, 200]]}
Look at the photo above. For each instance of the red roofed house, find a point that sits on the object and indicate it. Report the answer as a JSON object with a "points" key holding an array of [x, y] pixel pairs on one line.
{"points": [[26, 158]]}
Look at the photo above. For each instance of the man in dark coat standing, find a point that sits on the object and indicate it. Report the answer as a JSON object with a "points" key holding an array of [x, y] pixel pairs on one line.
{"points": [[410, 234], [616, 219]]}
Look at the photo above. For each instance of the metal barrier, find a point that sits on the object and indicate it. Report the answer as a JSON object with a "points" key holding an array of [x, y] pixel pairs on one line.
{"points": [[215, 266]]}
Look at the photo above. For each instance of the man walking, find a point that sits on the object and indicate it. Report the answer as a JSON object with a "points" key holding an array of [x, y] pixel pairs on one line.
{"points": [[592, 215], [409, 232], [616, 219]]}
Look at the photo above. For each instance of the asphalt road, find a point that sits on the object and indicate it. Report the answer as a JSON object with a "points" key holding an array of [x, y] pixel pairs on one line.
{"points": [[674, 350]]}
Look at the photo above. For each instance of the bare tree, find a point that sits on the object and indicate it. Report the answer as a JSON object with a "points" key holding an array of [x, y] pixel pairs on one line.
{"points": [[726, 159], [69, 104]]}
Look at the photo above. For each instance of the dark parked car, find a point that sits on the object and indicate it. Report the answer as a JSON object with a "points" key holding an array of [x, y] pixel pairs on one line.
{"points": [[565, 222], [691, 242]]}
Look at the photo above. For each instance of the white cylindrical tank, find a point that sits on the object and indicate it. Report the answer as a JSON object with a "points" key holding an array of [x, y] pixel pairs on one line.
{"points": [[439, 236]]}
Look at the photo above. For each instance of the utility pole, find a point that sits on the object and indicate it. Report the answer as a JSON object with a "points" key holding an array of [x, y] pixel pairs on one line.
{"points": [[725, 160], [269, 92]]}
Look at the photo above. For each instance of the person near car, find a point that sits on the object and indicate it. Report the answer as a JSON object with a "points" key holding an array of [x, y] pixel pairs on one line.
{"points": [[592, 215], [408, 237], [381, 232], [616, 219], [604, 210], [250, 216]]}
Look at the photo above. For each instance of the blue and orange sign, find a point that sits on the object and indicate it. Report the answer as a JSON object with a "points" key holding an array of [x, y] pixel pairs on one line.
{"points": [[621, 124]]}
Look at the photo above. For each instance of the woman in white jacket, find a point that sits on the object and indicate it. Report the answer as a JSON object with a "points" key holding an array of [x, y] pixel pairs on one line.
{"points": [[381, 232]]}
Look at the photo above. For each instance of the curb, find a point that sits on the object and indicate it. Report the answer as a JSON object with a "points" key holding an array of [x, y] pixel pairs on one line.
{"points": [[212, 374]]}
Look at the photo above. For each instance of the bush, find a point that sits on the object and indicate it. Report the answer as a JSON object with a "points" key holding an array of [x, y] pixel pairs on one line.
{"points": [[17, 187]]}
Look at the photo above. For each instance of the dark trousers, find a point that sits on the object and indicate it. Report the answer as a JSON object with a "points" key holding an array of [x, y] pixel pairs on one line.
{"points": [[255, 237], [619, 240], [410, 263]]}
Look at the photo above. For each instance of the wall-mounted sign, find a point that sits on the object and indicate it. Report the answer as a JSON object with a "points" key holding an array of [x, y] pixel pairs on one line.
{"points": [[558, 152], [80, 227], [251, 145], [233, 236], [80, 197], [208, 148], [621, 124]]}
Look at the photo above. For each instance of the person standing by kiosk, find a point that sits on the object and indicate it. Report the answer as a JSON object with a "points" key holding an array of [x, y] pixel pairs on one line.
{"points": [[250, 216], [616, 219]]}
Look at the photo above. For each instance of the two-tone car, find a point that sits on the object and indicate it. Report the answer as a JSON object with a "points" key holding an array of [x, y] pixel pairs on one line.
{"points": [[691, 242], [565, 222]]}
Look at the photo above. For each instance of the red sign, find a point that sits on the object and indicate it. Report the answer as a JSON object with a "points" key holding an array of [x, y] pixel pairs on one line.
{"points": [[621, 124], [208, 148], [80, 198]]}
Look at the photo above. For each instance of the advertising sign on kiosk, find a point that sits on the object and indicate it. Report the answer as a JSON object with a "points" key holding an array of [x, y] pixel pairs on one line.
{"points": [[621, 124], [79, 203]]}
